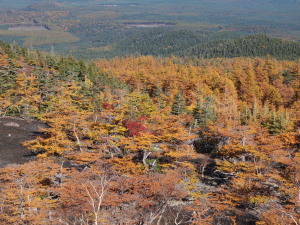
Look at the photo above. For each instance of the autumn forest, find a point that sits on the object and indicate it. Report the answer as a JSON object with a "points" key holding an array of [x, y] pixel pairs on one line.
{"points": [[147, 140], [149, 112]]}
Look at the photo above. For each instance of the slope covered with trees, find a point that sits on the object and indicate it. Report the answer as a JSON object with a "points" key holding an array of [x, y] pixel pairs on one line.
{"points": [[249, 46], [142, 140], [166, 42]]}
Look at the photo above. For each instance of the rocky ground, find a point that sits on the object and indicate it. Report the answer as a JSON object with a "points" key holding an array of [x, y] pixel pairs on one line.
{"points": [[14, 131]]}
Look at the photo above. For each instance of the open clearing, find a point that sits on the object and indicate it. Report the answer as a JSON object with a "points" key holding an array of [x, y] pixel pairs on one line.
{"points": [[14, 131]]}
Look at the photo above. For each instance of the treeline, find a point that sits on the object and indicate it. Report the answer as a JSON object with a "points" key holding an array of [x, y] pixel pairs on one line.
{"points": [[145, 140]]}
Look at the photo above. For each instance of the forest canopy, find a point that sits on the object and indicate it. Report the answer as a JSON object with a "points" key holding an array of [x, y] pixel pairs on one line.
{"points": [[147, 140]]}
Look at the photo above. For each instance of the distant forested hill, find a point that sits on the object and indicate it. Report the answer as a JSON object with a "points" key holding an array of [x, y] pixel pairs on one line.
{"points": [[165, 42], [186, 43], [249, 46]]}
